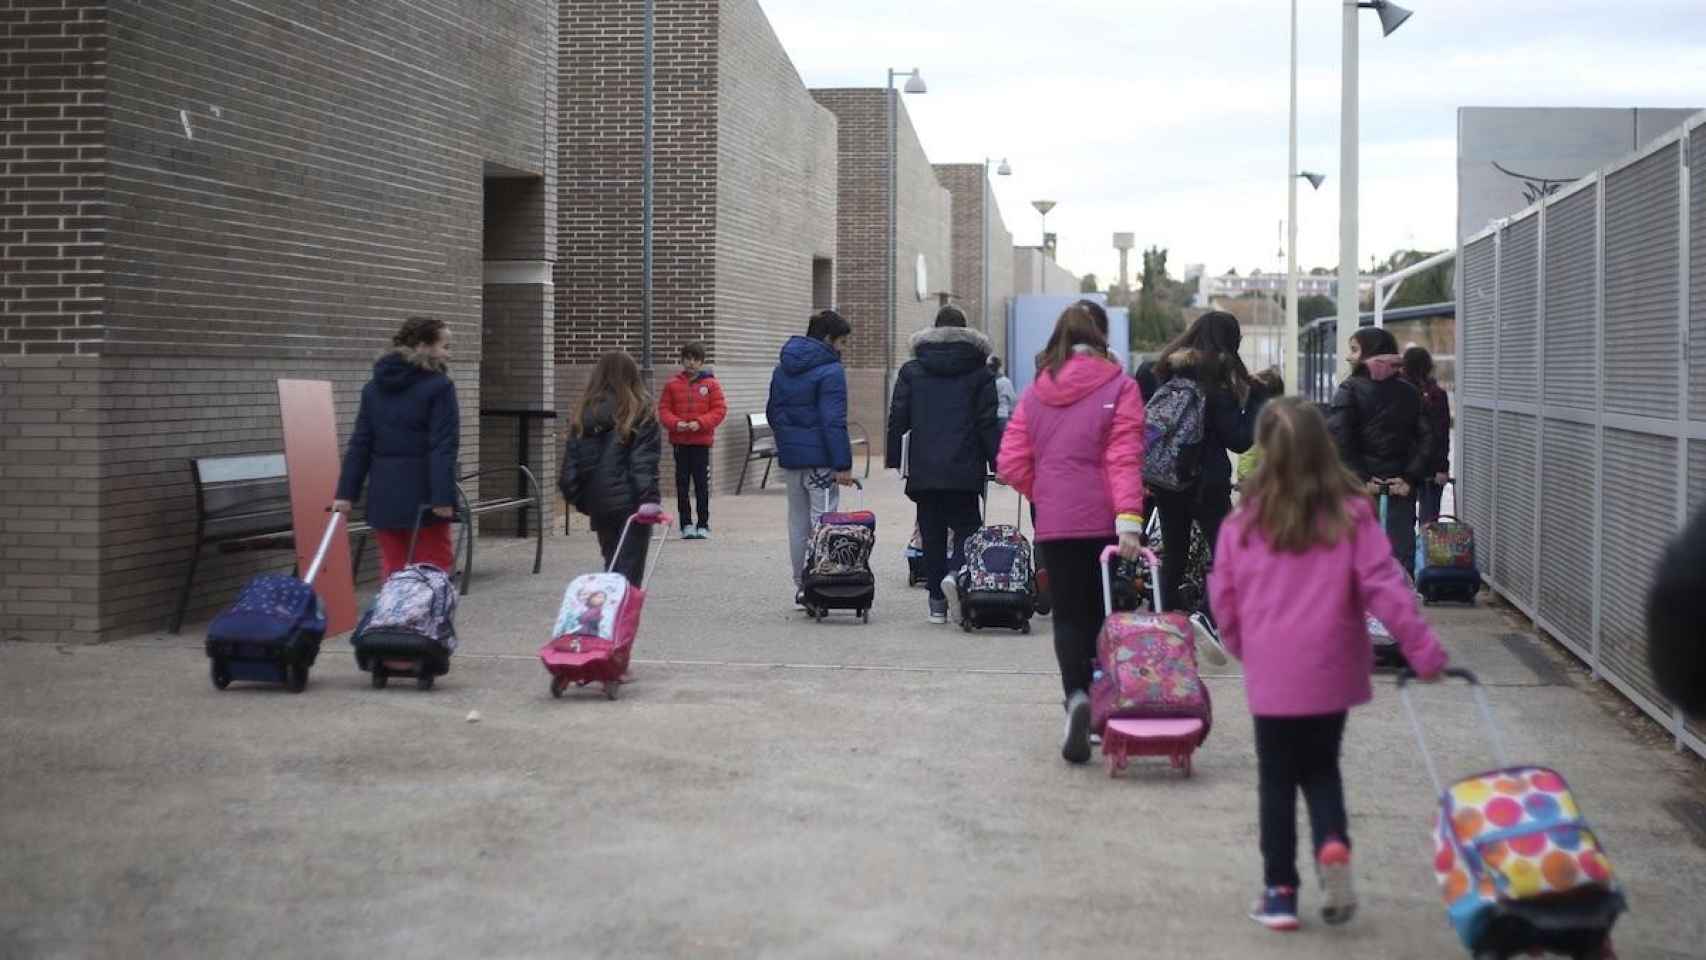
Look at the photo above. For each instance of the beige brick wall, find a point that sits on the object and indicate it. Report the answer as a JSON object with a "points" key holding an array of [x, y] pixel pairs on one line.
{"points": [[972, 197]]}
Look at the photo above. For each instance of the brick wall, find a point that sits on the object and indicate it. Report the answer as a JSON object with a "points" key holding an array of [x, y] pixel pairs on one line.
{"points": [[775, 213], [923, 225], [285, 182], [972, 195]]}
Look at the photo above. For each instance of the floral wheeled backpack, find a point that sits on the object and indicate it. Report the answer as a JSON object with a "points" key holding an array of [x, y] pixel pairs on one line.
{"points": [[998, 560], [418, 599], [1149, 670]]}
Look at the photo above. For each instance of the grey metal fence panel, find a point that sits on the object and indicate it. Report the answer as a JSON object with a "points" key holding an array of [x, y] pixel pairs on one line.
{"points": [[1571, 368], [1513, 510], [1480, 454], [1697, 275], [1696, 476], [1639, 501], [1642, 250], [1476, 371], [1567, 476], [1519, 312]]}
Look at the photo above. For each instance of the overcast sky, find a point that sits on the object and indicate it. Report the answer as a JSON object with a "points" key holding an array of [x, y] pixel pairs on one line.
{"points": [[1167, 118]]}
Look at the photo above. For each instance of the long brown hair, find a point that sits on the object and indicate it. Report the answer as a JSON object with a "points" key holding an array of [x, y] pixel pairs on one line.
{"points": [[616, 377], [1079, 325], [1301, 494], [1212, 342]]}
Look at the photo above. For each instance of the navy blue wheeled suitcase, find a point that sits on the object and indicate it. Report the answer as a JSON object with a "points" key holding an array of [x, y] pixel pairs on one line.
{"points": [[272, 633]]}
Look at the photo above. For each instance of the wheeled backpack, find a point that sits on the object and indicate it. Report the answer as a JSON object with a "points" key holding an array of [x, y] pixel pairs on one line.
{"points": [[838, 564], [272, 633], [1445, 561], [998, 583], [410, 629]]}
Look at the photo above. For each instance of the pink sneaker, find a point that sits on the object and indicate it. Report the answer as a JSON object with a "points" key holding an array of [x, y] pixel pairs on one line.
{"points": [[1333, 867]]}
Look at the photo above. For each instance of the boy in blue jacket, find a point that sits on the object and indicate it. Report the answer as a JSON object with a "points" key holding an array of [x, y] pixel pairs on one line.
{"points": [[807, 410]]}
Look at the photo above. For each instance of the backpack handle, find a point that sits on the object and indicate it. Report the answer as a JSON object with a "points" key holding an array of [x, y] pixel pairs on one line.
{"points": [[1109, 553]]}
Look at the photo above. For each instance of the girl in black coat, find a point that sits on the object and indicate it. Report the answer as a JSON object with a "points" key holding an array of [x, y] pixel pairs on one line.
{"points": [[610, 464], [1384, 434], [406, 438], [1208, 354], [946, 398]]}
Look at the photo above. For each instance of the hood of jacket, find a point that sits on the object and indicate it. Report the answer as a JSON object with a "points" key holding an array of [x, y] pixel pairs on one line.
{"points": [[399, 369], [950, 351], [1081, 376], [801, 354], [600, 418], [1383, 367]]}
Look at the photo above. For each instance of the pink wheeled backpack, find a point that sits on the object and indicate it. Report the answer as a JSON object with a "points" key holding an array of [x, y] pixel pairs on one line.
{"points": [[600, 614], [1148, 699]]}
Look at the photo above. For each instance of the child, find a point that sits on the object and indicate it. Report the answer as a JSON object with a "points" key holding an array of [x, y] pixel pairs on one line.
{"points": [[610, 464], [1298, 565], [1075, 447], [1275, 385], [691, 408], [1383, 433], [405, 443]]}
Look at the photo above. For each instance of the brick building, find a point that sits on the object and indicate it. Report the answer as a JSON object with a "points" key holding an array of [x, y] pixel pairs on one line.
{"points": [[745, 199], [981, 238], [200, 201], [923, 234]]}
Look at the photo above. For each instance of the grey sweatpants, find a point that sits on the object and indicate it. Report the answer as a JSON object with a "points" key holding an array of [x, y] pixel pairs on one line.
{"points": [[811, 494]]}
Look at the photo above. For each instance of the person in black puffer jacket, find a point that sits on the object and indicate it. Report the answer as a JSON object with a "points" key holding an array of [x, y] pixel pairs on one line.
{"points": [[1384, 434], [946, 397], [1676, 621], [1208, 354], [610, 464], [1436, 406]]}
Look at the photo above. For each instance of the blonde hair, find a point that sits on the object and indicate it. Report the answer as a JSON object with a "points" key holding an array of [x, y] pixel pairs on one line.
{"points": [[1301, 494], [619, 377]]}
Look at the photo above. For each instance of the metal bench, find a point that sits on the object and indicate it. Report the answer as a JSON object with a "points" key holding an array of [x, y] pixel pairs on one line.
{"points": [[243, 503], [761, 445]]}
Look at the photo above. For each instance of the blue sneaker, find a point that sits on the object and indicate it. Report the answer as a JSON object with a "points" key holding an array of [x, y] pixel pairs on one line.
{"points": [[1276, 908]]}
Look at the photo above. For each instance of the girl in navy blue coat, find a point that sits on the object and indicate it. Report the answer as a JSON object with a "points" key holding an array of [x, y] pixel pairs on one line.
{"points": [[405, 441]]}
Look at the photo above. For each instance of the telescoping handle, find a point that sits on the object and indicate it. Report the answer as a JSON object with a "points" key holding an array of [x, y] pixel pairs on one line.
{"points": [[649, 515], [1109, 553], [1406, 675], [325, 546]]}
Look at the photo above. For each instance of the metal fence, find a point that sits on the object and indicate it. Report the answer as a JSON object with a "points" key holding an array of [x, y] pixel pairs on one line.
{"points": [[1581, 438]]}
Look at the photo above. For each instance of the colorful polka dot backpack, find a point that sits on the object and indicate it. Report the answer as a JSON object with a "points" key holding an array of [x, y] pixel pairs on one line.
{"points": [[1518, 866]]}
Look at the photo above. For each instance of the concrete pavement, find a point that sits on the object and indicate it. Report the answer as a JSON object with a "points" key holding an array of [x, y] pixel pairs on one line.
{"points": [[766, 787]]}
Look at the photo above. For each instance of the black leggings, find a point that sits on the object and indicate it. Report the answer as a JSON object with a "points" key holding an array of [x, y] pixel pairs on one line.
{"points": [[1294, 753], [632, 563], [1075, 583], [1208, 505]]}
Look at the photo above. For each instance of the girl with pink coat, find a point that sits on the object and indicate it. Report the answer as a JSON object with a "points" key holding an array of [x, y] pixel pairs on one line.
{"points": [[1297, 567], [1075, 447]]}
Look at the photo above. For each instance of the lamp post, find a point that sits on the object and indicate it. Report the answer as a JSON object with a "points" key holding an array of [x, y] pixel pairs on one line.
{"points": [[1392, 17], [1289, 353], [1043, 207], [646, 189], [914, 84], [989, 197]]}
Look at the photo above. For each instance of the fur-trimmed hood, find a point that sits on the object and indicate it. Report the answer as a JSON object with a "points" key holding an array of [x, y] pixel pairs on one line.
{"points": [[951, 351], [399, 368]]}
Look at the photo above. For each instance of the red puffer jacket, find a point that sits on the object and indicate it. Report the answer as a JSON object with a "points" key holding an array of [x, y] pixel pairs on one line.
{"points": [[688, 398]]}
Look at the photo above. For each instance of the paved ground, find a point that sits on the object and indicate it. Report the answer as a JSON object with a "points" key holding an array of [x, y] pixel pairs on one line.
{"points": [[766, 787]]}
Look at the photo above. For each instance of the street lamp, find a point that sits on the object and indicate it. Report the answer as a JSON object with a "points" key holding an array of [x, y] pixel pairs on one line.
{"points": [[989, 197], [1289, 333], [1043, 207], [1392, 17], [914, 84]]}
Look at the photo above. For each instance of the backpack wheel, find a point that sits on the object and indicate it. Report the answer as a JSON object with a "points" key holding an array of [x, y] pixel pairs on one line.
{"points": [[423, 680], [296, 677], [558, 685], [220, 674], [611, 690], [379, 676], [1025, 628]]}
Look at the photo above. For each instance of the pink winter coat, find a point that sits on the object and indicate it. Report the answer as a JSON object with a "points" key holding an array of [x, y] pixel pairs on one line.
{"points": [[1296, 619], [1075, 447]]}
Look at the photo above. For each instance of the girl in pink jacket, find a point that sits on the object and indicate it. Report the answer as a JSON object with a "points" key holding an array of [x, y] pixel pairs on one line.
{"points": [[1075, 447], [1297, 567]]}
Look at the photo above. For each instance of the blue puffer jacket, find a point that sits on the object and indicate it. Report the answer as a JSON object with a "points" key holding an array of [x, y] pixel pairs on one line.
{"points": [[405, 441], [808, 407]]}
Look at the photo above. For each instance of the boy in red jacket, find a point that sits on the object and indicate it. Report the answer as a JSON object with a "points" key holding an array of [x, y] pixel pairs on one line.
{"points": [[691, 408]]}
